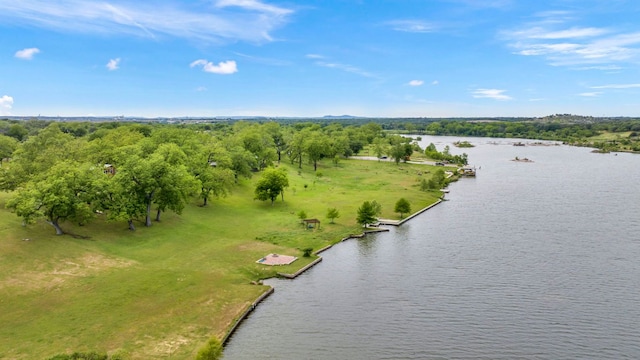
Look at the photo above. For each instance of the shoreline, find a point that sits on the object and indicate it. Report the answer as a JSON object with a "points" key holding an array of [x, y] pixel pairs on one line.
{"points": [[270, 289]]}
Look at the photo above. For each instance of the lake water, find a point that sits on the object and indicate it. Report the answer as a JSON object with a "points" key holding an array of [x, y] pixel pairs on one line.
{"points": [[535, 260]]}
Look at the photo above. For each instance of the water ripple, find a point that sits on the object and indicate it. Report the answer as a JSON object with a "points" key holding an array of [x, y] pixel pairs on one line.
{"points": [[527, 261]]}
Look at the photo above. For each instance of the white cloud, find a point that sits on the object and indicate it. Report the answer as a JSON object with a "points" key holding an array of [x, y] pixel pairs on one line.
{"points": [[540, 32], [416, 83], [435, 82], [253, 5], [590, 94], [201, 88], [563, 44], [546, 49], [6, 103], [609, 68], [113, 64], [495, 94], [345, 67], [227, 20], [320, 61], [264, 60], [223, 67], [414, 26], [617, 86], [27, 54]]}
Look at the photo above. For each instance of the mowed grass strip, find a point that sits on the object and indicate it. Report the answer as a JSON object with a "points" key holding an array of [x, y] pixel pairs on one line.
{"points": [[163, 291]]}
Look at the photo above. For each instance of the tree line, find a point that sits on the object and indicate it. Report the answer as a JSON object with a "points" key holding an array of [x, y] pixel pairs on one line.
{"points": [[132, 173]]}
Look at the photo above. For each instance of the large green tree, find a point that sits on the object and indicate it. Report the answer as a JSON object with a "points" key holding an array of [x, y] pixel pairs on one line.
{"points": [[211, 164], [120, 200], [401, 148], [242, 161], [403, 207], [215, 182], [271, 184], [279, 139], [161, 178], [316, 147], [367, 213], [39, 153], [380, 147], [296, 147], [260, 143], [106, 148], [7, 146], [64, 192], [17, 131]]}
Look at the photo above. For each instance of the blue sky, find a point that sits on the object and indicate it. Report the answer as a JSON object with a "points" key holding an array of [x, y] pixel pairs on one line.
{"points": [[395, 58]]}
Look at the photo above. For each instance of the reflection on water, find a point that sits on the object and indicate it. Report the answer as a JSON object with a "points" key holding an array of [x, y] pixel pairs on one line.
{"points": [[528, 260]]}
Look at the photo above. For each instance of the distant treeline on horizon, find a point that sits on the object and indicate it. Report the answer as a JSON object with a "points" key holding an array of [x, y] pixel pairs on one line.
{"points": [[572, 129], [350, 119]]}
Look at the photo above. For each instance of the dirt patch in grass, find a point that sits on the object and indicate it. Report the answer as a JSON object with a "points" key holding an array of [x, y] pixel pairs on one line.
{"points": [[185, 342], [166, 347], [62, 270]]}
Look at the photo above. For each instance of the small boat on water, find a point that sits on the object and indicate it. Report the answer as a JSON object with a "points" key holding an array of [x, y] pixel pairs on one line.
{"points": [[467, 171], [517, 159]]}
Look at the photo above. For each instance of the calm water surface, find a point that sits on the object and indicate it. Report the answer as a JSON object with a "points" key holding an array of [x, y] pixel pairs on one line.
{"points": [[527, 261]]}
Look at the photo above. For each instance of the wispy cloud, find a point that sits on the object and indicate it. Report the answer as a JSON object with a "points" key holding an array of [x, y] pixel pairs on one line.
{"points": [[223, 67], [321, 60], [601, 67], [540, 32], [254, 5], [113, 64], [495, 94], [414, 26], [416, 83], [6, 103], [263, 60], [435, 82], [226, 20], [26, 54], [553, 37], [590, 94], [617, 86], [345, 67]]}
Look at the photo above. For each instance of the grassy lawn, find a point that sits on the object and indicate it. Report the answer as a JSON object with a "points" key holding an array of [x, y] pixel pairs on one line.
{"points": [[608, 136], [162, 292]]}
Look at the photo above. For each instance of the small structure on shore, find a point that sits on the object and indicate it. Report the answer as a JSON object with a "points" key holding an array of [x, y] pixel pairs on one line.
{"points": [[109, 169], [277, 259], [311, 223]]}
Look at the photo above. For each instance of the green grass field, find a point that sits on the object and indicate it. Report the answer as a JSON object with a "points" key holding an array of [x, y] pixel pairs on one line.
{"points": [[162, 292], [608, 136]]}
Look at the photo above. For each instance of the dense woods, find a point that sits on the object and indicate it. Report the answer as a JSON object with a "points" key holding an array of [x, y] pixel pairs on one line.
{"points": [[130, 172]]}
